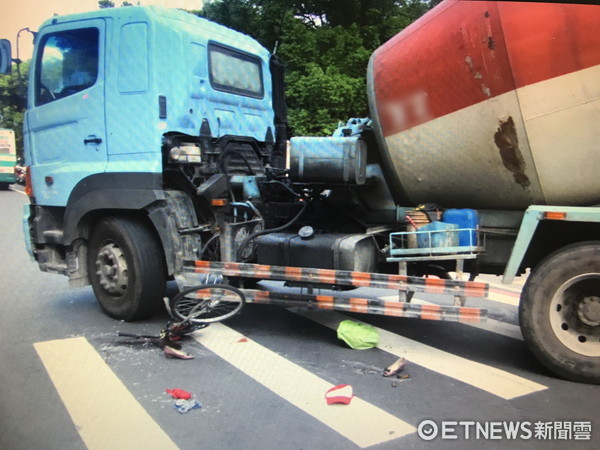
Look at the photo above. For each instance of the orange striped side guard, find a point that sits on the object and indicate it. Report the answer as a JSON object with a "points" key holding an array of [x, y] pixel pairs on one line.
{"points": [[340, 277]]}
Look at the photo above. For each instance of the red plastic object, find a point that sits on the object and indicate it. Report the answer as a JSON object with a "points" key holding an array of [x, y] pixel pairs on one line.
{"points": [[179, 393], [342, 393]]}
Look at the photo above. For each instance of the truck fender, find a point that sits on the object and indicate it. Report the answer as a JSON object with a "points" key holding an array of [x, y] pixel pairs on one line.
{"points": [[573, 215], [109, 191], [170, 212]]}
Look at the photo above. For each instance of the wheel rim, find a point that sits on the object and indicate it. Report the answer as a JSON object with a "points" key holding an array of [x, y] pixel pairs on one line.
{"points": [[112, 270], [575, 314], [205, 304]]}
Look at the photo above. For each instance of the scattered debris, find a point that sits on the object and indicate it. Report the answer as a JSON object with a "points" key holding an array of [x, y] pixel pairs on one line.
{"points": [[168, 339], [145, 340], [171, 352], [179, 394], [341, 393], [395, 368], [184, 400], [400, 379], [358, 336], [360, 368], [182, 406]]}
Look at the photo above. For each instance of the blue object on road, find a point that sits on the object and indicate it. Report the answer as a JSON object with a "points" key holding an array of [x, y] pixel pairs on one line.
{"points": [[182, 406]]}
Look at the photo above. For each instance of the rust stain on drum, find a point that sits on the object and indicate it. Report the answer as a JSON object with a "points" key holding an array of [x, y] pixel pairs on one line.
{"points": [[508, 143]]}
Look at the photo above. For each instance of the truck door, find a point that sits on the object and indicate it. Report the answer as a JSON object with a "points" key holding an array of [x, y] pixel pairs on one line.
{"points": [[65, 121]]}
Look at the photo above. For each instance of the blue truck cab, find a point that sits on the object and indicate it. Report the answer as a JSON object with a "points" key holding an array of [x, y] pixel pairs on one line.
{"points": [[108, 86], [138, 118]]}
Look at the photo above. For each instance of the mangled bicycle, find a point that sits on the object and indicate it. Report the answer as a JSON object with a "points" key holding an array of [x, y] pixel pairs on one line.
{"points": [[206, 303], [192, 309]]}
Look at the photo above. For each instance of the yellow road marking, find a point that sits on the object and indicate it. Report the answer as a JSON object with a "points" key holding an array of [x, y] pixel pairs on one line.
{"points": [[105, 413], [361, 422], [490, 379]]}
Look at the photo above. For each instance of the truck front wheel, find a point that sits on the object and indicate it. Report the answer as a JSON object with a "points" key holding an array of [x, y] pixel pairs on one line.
{"points": [[126, 267], [560, 312]]}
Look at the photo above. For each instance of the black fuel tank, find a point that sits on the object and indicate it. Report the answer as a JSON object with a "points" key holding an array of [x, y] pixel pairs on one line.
{"points": [[353, 252]]}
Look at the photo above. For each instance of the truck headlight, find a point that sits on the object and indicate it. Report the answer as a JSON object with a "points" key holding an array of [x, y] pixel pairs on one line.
{"points": [[188, 153], [174, 154]]}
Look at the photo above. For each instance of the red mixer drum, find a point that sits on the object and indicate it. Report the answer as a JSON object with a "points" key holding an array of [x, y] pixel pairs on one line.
{"points": [[491, 105]]}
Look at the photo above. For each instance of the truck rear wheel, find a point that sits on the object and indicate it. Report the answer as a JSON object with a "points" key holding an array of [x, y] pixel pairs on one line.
{"points": [[560, 312], [126, 267]]}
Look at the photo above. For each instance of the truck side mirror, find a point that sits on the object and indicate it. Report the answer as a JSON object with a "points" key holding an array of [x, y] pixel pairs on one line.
{"points": [[5, 57]]}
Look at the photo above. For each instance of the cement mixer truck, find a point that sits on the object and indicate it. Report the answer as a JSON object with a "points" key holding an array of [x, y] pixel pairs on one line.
{"points": [[157, 148]]}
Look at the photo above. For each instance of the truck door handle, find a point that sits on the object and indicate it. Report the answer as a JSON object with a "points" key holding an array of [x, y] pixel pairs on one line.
{"points": [[92, 140]]}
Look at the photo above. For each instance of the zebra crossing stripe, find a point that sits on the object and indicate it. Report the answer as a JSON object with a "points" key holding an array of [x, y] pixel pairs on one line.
{"points": [[490, 379], [360, 422], [506, 298], [105, 413]]}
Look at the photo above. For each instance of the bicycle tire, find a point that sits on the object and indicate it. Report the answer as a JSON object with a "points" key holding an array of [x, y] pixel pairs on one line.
{"points": [[206, 310]]}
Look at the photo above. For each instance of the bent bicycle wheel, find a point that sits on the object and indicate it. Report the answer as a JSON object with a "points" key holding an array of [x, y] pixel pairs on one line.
{"points": [[207, 303]]}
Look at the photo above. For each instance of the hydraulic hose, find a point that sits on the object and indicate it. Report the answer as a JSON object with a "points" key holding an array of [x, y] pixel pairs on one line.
{"points": [[205, 246]]}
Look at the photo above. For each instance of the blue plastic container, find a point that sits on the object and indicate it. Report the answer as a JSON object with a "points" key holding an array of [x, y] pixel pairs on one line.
{"points": [[437, 234], [464, 218]]}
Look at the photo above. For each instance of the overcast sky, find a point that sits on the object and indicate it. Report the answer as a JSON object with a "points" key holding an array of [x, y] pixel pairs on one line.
{"points": [[17, 14]]}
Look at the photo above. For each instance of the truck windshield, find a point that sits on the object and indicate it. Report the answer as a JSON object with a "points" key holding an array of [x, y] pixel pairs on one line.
{"points": [[235, 72], [69, 64]]}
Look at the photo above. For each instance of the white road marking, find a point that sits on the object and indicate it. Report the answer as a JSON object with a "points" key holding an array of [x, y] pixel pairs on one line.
{"points": [[514, 288], [490, 379], [494, 326], [507, 299], [498, 327], [18, 190], [105, 413], [360, 422], [496, 281]]}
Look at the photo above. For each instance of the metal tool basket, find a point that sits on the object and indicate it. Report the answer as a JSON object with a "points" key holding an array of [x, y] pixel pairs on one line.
{"points": [[434, 245]]}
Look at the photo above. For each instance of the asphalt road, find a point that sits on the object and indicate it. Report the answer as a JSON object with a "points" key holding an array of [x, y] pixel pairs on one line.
{"points": [[68, 382]]}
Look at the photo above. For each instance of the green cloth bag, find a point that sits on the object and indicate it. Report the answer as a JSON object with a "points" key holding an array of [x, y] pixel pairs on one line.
{"points": [[357, 335]]}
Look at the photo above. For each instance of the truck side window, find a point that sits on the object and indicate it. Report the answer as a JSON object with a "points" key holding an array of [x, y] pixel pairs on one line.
{"points": [[235, 72], [69, 64]]}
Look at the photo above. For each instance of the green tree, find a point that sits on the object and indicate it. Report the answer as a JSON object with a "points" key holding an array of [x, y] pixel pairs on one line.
{"points": [[325, 44], [319, 98], [105, 4], [13, 95]]}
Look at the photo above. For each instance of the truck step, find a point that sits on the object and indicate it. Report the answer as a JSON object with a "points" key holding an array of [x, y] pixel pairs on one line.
{"points": [[54, 268], [53, 236]]}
